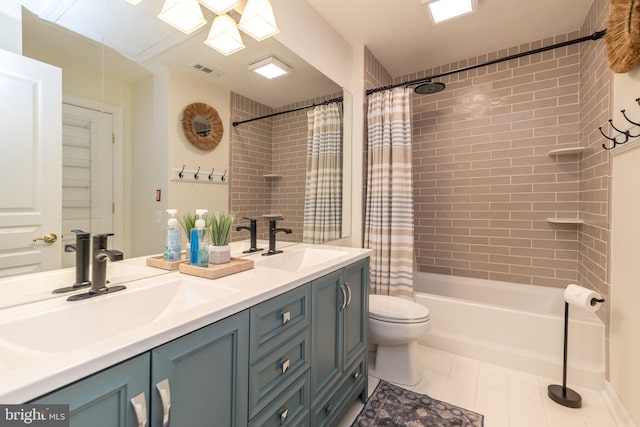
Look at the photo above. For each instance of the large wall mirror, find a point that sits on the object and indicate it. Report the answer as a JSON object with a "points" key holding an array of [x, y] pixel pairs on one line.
{"points": [[106, 93]]}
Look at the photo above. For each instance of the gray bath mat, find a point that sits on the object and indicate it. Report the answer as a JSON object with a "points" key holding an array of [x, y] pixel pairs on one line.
{"points": [[390, 405]]}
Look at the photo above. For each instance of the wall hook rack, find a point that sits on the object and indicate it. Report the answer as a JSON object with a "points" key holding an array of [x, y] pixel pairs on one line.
{"points": [[193, 175], [625, 135]]}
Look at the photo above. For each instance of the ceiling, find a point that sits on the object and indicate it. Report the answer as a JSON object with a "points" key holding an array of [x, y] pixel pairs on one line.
{"points": [[137, 33], [401, 35]]}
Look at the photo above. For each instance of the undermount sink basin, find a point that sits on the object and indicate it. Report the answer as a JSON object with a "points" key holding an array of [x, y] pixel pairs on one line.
{"points": [[300, 259], [72, 325]]}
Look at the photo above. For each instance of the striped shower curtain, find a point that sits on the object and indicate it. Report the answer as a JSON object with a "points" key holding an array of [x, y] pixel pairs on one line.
{"points": [[323, 191], [389, 201]]}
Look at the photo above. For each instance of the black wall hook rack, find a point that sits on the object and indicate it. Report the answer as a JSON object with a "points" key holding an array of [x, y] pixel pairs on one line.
{"points": [[622, 136], [194, 175]]}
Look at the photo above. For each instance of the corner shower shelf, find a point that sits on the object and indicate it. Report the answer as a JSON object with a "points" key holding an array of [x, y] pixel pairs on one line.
{"points": [[570, 150], [565, 220]]}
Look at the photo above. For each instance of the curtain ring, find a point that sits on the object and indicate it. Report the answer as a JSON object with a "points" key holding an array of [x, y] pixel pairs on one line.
{"points": [[197, 174], [211, 174], [181, 173]]}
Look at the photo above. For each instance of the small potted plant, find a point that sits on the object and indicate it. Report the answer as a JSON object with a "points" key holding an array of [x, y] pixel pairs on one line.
{"points": [[187, 222], [220, 231]]}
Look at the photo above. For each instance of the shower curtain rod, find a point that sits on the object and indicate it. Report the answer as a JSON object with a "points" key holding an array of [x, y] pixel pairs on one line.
{"points": [[328, 101], [595, 36]]}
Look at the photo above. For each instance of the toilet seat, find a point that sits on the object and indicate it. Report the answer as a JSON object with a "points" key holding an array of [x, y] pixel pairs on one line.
{"points": [[390, 309]]}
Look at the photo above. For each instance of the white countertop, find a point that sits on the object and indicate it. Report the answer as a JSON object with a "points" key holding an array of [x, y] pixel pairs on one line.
{"points": [[58, 354]]}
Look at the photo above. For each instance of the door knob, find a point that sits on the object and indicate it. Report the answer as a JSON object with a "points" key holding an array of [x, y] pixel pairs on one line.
{"points": [[47, 238]]}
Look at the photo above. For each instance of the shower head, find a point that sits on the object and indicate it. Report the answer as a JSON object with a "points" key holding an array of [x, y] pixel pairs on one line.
{"points": [[429, 87]]}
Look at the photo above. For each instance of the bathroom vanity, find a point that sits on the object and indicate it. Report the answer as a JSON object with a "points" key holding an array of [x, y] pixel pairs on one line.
{"points": [[282, 344]]}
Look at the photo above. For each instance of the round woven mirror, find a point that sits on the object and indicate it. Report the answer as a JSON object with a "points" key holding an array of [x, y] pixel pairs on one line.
{"points": [[202, 125]]}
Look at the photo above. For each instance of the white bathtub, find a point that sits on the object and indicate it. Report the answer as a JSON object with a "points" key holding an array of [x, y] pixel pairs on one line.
{"points": [[516, 326]]}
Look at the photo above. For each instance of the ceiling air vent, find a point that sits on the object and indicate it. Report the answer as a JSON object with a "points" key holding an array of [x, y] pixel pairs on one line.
{"points": [[212, 72]]}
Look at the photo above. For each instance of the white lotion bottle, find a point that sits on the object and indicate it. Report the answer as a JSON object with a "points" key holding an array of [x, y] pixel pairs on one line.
{"points": [[173, 248]]}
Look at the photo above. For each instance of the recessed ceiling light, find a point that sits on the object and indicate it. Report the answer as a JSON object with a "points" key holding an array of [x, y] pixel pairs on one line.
{"points": [[442, 10], [270, 67]]}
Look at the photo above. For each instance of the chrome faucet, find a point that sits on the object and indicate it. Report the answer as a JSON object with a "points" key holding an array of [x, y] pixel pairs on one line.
{"points": [[81, 248], [272, 236], [99, 268], [253, 233]]}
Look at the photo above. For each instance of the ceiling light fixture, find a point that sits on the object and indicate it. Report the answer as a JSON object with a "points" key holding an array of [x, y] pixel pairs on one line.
{"points": [[258, 20], [220, 6], [442, 10], [185, 15], [224, 35], [270, 67]]}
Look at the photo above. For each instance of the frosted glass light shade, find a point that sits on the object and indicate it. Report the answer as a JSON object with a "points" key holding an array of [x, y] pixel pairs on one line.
{"points": [[185, 15], [257, 20], [270, 67], [442, 10], [134, 2], [220, 6], [224, 35]]}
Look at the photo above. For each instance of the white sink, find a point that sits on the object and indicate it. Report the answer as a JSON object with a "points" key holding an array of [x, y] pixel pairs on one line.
{"points": [[70, 325], [34, 287], [300, 259]]}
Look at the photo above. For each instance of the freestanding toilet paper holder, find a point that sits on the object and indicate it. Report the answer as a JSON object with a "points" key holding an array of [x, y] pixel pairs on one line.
{"points": [[561, 394]]}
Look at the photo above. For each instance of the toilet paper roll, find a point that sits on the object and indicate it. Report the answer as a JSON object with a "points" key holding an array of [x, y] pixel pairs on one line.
{"points": [[582, 297]]}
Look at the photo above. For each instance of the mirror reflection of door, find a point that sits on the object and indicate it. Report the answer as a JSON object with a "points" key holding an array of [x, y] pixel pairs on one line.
{"points": [[87, 174]]}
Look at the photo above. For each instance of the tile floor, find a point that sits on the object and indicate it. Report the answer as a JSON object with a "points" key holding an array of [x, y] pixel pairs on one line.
{"points": [[506, 397]]}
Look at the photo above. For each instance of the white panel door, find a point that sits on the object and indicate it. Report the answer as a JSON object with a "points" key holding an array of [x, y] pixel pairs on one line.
{"points": [[625, 279], [30, 164], [87, 174]]}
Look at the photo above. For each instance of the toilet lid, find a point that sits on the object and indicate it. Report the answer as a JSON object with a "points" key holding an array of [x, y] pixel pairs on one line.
{"points": [[396, 310]]}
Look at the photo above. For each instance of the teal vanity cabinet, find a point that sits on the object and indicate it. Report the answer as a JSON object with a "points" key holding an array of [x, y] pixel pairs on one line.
{"points": [[196, 380], [339, 341], [201, 379], [280, 353], [104, 399]]}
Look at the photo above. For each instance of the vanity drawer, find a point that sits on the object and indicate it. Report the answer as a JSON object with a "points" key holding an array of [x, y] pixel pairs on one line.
{"points": [[291, 408], [332, 407], [279, 319], [272, 374]]}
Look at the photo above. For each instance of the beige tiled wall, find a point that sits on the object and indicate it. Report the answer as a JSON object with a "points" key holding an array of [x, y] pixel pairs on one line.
{"points": [[484, 184], [595, 91]]}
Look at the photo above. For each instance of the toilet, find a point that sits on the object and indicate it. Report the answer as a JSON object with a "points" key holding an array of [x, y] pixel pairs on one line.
{"points": [[395, 326]]}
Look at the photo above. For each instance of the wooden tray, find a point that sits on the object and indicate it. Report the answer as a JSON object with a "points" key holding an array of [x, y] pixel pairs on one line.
{"points": [[158, 262], [215, 271]]}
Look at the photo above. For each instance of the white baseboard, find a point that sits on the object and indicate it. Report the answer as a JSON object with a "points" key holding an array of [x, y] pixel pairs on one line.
{"points": [[617, 409]]}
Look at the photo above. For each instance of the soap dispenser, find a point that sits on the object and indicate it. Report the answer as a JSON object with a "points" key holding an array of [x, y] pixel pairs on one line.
{"points": [[200, 241], [172, 249]]}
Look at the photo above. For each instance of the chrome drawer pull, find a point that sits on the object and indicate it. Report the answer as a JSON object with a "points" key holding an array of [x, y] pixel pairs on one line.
{"points": [[139, 404], [348, 289], [164, 389], [356, 375], [344, 297], [286, 317], [285, 366], [329, 409], [283, 416]]}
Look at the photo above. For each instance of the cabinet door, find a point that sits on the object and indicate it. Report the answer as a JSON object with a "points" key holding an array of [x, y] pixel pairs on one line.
{"points": [[103, 399], [356, 312], [326, 342], [201, 379]]}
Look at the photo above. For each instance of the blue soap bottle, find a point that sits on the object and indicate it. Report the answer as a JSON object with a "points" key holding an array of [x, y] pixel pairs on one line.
{"points": [[199, 241]]}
